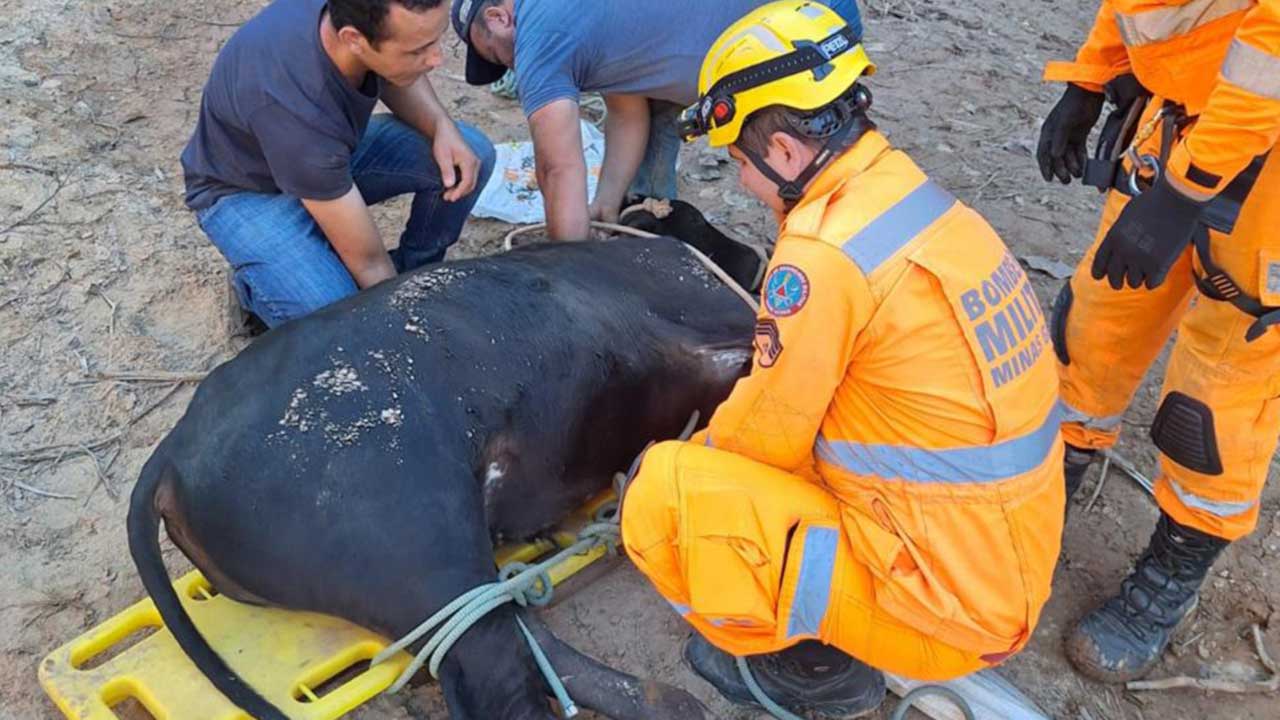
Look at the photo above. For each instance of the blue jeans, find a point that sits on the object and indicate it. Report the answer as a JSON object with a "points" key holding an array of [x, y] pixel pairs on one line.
{"points": [[656, 177], [284, 265]]}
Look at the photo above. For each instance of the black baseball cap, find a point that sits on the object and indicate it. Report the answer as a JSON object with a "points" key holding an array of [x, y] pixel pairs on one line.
{"points": [[479, 70]]}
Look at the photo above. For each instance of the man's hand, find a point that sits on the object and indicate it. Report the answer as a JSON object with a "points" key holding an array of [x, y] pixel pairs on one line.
{"points": [[418, 106], [604, 212], [459, 166], [1146, 240], [349, 227], [1064, 139]]}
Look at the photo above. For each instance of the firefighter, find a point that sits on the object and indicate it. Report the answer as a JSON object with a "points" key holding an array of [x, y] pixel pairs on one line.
{"points": [[884, 491], [1187, 241]]}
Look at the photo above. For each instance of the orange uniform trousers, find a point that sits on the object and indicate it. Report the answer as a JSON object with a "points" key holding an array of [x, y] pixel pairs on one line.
{"points": [[1112, 337], [746, 540]]}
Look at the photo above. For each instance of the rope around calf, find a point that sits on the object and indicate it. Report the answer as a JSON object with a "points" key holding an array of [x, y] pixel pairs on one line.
{"points": [[519, 583], [522, 584]]}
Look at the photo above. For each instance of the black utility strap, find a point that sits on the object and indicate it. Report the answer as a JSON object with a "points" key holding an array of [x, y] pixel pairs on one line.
{"points": [[1218, 285], [808, 57]]}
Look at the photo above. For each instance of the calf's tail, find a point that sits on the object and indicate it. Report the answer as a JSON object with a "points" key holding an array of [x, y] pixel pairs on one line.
{"points": [[144, 546]]}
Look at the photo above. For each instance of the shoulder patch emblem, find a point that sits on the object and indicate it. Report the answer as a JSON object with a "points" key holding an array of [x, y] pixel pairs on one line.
{"points": [[767, 342], [786, 291]]}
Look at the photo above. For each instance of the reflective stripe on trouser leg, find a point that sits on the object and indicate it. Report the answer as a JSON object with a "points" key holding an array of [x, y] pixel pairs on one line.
{"points": [[1113, 336]]}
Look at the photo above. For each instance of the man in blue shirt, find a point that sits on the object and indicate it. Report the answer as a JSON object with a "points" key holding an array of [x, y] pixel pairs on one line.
{"points": [[285, 158], [643, 57]]}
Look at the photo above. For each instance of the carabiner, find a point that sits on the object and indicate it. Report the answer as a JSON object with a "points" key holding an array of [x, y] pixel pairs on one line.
{"points": [[1137, 163]]}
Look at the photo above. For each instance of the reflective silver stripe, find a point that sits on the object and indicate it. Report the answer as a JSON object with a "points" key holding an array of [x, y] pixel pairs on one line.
{"points": [[758, 31], [682, 609], [1164, 23], [813, 588], [974, 464], [1092, 422], [898, 225], [1251, 69], [1213, 507]]}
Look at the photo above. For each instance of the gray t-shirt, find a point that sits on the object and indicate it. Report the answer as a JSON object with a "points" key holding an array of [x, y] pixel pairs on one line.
{"points": [[277, 116], [654, 49]]}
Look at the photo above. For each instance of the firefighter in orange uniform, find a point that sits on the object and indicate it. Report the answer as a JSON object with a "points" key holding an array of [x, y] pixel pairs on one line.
{"points": [[1192, 212], [884, 491]]}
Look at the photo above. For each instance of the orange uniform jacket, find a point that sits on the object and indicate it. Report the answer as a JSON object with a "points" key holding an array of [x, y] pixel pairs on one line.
{"points": [[1219, 58], [902, 353]]}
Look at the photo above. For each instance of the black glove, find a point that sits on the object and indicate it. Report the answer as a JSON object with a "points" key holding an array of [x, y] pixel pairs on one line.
{"points": [[1064, 138], [1151, 232]]}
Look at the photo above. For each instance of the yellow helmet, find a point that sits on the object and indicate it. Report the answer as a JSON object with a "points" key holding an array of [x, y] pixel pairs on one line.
{"points": [[796, 53]]}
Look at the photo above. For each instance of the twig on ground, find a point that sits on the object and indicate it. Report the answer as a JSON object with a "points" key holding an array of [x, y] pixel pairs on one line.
{"points": [[95, 290], [31, 400], [977, 194], [102, 477], [61, 183], [146, 376], [115, 455], [1270, 685], [1190, 641], [1102, 479], [214, 23], [29, 168], [1131, 470], [8, 301], [42, 493]]}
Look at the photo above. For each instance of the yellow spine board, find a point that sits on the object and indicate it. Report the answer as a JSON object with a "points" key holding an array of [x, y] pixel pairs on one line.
{"points": [[291, 658]]}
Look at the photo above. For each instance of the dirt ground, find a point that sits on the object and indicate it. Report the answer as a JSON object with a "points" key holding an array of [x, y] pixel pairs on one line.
{"points": [[103, 270]]}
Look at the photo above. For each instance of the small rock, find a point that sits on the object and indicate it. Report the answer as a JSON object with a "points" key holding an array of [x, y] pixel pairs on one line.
{"points": [[1220, 584], [1053, 268], [1224, 573]]}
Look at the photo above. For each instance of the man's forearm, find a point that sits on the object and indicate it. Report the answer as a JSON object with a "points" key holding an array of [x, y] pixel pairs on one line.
{"points": [[626, 134], [564, 194], [349, 227], [369, 269]]}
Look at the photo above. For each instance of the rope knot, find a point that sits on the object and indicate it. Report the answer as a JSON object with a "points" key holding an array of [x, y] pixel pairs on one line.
{"points": [[537, 590]]}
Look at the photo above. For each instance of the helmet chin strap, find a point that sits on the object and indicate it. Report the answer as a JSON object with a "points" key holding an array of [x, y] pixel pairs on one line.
{"points": [[856, 125]]}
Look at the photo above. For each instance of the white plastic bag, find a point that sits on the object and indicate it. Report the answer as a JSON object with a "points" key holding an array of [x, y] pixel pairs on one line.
{"points": [[512, 194]]}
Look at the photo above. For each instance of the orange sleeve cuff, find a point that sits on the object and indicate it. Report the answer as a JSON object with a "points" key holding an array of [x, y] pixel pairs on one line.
{"points": [[1089, 77]]}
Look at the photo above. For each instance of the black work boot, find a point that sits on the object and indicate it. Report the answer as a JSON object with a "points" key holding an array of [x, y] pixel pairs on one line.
{"points": [[1075, 464], [807, 678], [1123, 638]]}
